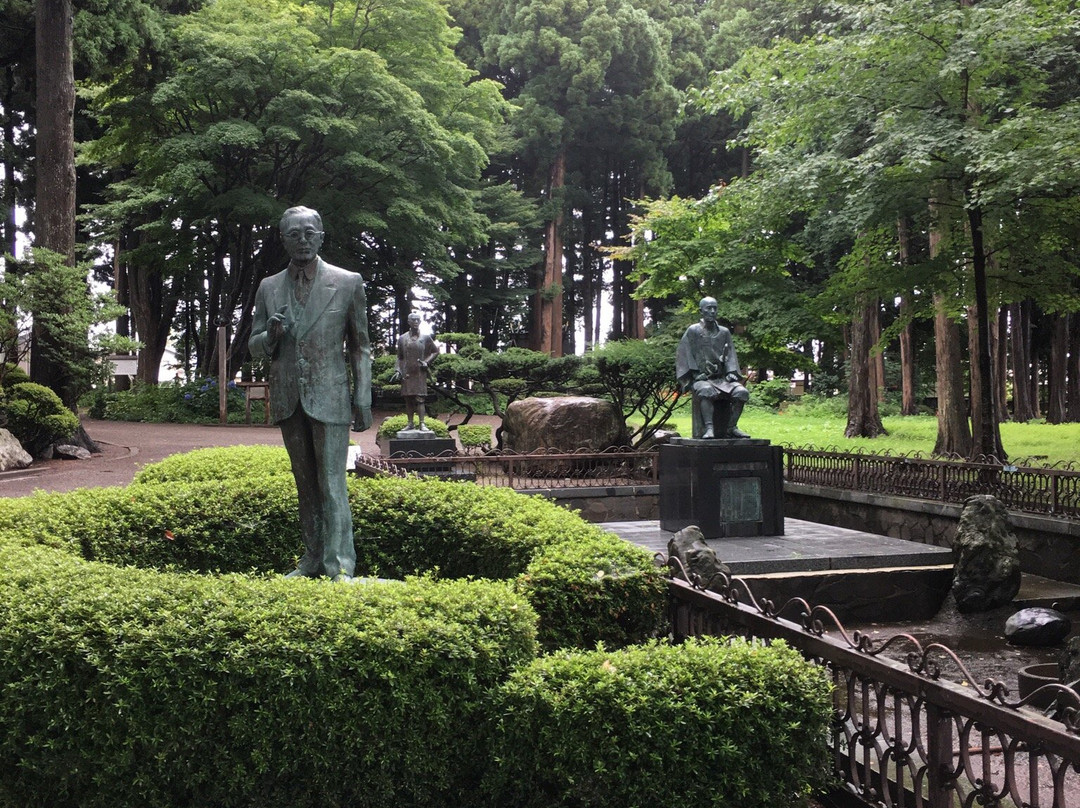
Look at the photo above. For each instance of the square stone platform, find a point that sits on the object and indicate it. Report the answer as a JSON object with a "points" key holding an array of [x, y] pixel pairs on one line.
{"points": [[859, 576], [804, 547]]}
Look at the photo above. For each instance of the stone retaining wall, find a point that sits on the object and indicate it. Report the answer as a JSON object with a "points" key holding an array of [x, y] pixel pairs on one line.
{"points": [[1049, 547]]}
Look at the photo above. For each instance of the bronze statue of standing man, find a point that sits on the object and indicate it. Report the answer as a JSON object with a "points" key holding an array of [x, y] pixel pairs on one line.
{"points": [[706, 366], [308, 319], [415, 351]]}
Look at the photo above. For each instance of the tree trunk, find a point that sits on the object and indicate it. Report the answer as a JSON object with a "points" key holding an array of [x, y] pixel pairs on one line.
{"points": [[953, 436], [54, 214], [877, 358], [864, 421], [10, 194], [908, 403], [986, 432], [1001, 363], [548, 300], [1072, 393], [1058, 371], [1020, 339]]}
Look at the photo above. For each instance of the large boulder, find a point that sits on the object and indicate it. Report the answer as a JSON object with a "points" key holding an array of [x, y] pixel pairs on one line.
{"points": [[567, 424], [987, 572], [12, 454], [1037, 626], [697, 558]]}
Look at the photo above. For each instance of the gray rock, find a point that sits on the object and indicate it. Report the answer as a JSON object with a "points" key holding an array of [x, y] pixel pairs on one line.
{"points": [[12, 454], [65, 451], [1037, 626], [987, 572], [566, 423], [698, 559]]}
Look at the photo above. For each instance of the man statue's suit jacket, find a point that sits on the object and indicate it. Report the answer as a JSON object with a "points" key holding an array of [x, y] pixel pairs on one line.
{"points": [[308, 365]]}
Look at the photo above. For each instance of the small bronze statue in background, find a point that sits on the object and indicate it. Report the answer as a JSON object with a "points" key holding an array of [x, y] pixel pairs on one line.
{"points": [[415, 351]]}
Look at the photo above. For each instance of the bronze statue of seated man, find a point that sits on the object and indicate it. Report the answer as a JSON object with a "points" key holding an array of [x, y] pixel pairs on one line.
{"points": [[707, 367]]}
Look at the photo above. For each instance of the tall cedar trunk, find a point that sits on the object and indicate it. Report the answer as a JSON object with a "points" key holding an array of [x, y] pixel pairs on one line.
{"points": [[986, 432], [864, 421], [1058, 370], [877, 358], [11, 197], [54, 215], [1001, 363], [953, 432], [953, 435], [1020, 339], [1072, 405], [548, 300], [908, 403]]}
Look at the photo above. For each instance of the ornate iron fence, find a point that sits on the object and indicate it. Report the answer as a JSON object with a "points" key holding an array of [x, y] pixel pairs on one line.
{"points": [[1031, 489], [534, 470], [903, 736], [1053, 490]]}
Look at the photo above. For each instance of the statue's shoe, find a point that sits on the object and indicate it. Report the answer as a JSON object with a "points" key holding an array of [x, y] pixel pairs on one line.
{"points": [[737, 433]]}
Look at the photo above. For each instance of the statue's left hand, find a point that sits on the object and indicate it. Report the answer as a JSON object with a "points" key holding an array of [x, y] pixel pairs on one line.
{"points": [[361, 419], [734, 377]]}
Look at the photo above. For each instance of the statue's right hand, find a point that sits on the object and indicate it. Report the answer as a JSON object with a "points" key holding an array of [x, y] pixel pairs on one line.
{"points": [[276, 326]]}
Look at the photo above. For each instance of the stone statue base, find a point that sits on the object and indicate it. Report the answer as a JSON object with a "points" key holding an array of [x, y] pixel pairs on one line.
{"points": [[725, 486], [423, 444]]}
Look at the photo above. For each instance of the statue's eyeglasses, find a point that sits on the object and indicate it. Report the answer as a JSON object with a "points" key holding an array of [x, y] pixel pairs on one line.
{"points": [[301, 235]]}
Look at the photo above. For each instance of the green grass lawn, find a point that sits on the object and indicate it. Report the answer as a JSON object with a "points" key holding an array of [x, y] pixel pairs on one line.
{"points": [[823, 428]]}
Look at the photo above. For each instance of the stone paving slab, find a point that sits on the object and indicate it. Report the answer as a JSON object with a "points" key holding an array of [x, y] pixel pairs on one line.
{"points": [[804, 547]]}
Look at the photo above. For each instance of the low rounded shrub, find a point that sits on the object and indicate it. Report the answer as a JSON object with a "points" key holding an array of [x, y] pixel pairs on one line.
{"points": [[395, 423], [474, 436], [217, 463], [37, 417], [132, 687], [704, 723], [239, 514]]}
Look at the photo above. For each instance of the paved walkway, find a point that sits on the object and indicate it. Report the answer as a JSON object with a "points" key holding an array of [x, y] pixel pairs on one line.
{"points": [[127, 447]]}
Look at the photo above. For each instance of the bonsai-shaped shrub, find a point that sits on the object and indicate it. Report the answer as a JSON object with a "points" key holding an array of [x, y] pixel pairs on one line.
{"points": [[704, 723], [37, 417]]}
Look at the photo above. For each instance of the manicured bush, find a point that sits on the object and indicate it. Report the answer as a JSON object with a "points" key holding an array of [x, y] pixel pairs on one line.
{"points": [[705, 723], [125, 687], [242, 525], [217, 463], [37, 417], [601, 590], [474, 436], [395, 423], [588, 585]]}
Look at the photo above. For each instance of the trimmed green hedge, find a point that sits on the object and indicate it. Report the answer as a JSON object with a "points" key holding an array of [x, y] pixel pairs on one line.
{"points": [[121, 685], [240, 515], [706, 723], [132, 687], [217, 463]]}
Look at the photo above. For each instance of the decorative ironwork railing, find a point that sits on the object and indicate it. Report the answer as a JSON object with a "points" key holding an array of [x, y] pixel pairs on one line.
{"points": [[535, 470], [903, 736], [1053, 490]]}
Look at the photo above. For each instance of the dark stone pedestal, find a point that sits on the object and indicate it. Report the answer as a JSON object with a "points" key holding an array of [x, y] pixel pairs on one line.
{"points": [[726, 487], [423, 447]]}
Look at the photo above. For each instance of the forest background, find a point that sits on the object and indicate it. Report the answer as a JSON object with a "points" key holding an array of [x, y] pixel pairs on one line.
{"points": [[882, 195]]}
